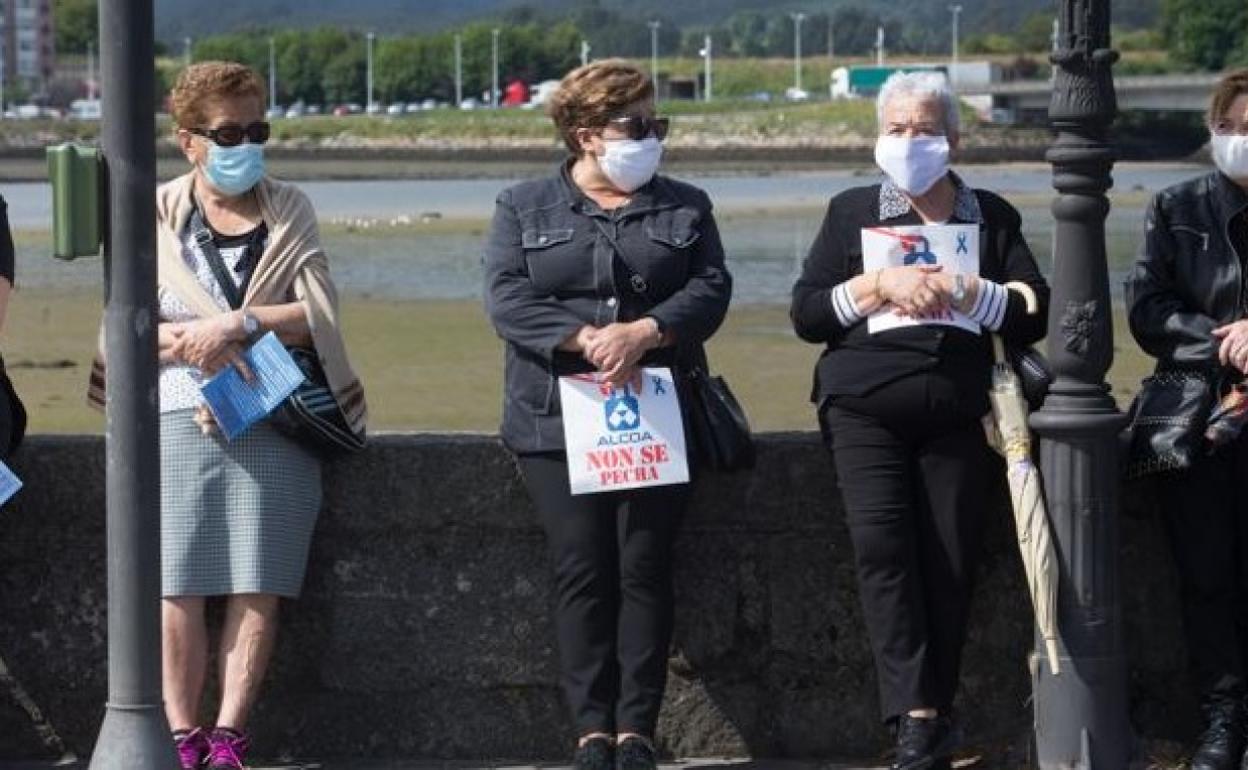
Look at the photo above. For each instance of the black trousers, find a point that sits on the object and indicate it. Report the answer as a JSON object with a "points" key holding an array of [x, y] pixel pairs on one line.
{"points": [[917, 478], [1205, 516], [612, 556]]}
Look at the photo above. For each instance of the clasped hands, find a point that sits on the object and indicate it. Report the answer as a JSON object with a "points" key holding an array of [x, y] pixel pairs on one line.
{"points": [[1233, 351], [210, 345], [616, 349], [915, 290]]}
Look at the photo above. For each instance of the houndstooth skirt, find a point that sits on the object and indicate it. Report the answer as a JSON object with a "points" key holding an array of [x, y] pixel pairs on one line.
{"points": [[236, 517]]}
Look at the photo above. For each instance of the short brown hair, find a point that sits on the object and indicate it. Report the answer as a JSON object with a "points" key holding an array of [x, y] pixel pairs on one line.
{"points": [[208, 81], [1232, 85], [591, 95]]}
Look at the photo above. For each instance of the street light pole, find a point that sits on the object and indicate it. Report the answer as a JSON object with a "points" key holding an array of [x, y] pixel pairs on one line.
{"points": [[654, 56], [91, 71], [956, 10], [368, 95], [459, 70], [798, 18], [879, 46], [494, 55], [1081, 714], [584, 52], [707, 53], [134, 734], [186, 51], [272, 75]]}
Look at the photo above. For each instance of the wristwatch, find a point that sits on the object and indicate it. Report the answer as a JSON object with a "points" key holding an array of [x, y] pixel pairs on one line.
{"points": [[959, 291], [251, 325]]}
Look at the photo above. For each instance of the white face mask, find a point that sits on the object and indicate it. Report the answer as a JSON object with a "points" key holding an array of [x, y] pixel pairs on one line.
{"points": [[1230, 154], [914, 164], [630, 163]]}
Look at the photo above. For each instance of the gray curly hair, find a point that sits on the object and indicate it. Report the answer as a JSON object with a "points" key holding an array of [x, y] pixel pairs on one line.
{"points": [[925, 85]]}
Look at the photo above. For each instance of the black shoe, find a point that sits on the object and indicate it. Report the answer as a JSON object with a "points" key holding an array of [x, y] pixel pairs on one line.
{"points": [[1221, 745], [594, 754], [635, 754], [924, 744]]}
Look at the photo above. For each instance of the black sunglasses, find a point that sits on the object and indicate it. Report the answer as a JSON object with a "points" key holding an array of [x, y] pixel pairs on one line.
{"points": [[232, 134], [641, 126]]}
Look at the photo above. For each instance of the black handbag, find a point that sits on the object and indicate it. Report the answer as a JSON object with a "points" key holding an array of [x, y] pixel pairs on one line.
{"points": [[1033, 372], [718, 429], [311, 414], [1167, 420]]}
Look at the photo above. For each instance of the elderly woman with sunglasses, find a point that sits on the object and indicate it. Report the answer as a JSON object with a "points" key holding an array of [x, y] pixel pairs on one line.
{"points": [[1185, 306], [236, 516], [901, 407], [603, 266]]}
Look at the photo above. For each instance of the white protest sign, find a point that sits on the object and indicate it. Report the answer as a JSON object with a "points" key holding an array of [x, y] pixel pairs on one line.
{"points": [[623, 438], [954, 248]]}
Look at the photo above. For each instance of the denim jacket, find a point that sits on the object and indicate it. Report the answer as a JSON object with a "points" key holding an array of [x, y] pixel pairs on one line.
{"points": [[556, 261]]}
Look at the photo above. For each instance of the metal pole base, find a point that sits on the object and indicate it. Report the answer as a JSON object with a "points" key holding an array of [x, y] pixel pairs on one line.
{"points": [[1095, 689], [134, 738]]}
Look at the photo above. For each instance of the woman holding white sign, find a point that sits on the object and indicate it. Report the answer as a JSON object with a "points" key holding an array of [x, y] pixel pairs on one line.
{"points": [[239, 257], [595, 277], [903, 286]]}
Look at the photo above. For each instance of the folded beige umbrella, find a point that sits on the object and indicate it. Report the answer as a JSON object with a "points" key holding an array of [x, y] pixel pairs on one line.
{"points": [[1009, 434]]}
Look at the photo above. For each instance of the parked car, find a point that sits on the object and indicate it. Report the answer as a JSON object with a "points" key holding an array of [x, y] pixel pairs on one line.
{"points": [[85, 109], [412, 108], [395, 109], [341, 111], [796, 94], [469, 103], [314, 109], [274, 112], [430, 104], [375, 109]]}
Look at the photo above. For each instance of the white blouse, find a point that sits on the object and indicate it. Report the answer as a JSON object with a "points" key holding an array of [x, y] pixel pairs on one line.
{"points": [[179, 383]]}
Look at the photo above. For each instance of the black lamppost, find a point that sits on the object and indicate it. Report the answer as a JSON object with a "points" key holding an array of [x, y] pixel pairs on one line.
{"points": [[1081, 713], [135, 734]]}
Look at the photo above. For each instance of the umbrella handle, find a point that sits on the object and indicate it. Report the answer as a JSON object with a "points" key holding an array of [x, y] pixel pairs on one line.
{"points": [[1050, 647], [1029, 295]]}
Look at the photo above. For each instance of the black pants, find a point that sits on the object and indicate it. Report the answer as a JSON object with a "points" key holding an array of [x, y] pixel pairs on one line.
{"points": [[1205, 512], [612, 555], [916, 475]]}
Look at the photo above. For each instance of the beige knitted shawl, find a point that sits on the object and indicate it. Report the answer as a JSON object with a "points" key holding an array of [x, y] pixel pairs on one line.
{"points": [[293, 266]]}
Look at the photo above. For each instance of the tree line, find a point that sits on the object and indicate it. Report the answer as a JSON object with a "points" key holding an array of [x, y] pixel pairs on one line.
{"points": [[327, 64]]}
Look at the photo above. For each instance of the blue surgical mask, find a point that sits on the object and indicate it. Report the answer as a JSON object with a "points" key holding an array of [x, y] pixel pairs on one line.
{"points": [[235, 170]]}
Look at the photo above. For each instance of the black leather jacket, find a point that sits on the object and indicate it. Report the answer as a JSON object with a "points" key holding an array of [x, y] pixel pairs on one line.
{"points": [[553, 264], [1188, 279]]}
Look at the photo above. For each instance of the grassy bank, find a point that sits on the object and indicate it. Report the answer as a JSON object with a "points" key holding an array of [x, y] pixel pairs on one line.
{"points": [[430, 365]]}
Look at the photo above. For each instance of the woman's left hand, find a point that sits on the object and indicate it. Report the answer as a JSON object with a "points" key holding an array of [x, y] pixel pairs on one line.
{"points": [[1234, 348], [616, 348]]}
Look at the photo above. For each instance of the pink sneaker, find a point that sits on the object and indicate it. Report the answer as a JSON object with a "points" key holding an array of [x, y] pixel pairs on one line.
{"points": [[192, 747], [226, 749]]}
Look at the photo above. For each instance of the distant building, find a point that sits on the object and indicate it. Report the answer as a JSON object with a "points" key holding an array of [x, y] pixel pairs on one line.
{"points": [[27, 44]]}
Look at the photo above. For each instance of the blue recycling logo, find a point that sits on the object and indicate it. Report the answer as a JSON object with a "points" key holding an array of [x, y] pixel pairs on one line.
{"points": [[623, 413]]}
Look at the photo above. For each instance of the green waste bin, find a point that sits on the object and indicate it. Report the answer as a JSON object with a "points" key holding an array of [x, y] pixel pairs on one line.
{"points": [[77, 210]]}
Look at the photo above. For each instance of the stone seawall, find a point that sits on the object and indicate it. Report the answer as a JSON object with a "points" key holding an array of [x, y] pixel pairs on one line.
{"points": [[425, 630]]}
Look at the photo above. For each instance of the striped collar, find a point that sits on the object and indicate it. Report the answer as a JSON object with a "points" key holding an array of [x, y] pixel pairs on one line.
{"points": [[894, 203]]}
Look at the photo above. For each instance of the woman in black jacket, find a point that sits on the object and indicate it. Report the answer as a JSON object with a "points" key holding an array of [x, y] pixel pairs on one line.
{"points": [[603, 267], [12, 413], [1186, 305], [901, 408]]}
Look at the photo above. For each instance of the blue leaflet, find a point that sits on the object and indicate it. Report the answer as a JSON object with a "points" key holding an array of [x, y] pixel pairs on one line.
{"points": [[9, 483], [237, 404]]}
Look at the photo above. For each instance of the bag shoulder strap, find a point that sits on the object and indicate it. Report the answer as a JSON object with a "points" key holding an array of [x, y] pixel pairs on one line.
{"points": [[635, 279], [234, 292]]}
